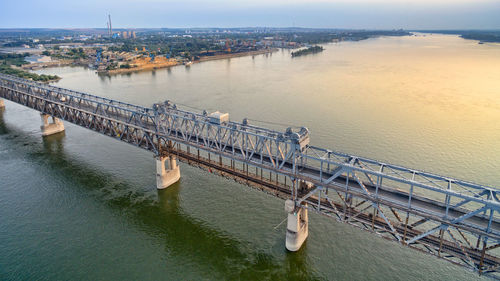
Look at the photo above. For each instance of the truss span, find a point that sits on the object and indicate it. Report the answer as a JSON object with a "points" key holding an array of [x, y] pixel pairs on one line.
{"points": [[453, 219]]}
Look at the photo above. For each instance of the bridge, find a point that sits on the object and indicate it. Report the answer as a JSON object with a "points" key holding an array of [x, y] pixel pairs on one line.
{"points": [[449, 218]]}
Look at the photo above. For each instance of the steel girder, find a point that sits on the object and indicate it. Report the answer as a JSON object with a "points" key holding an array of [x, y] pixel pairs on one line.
{"points": [[106, 119], [432, 213], [249, 143]]}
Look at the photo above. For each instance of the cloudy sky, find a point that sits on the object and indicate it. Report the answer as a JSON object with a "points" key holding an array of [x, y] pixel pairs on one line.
{"points": [[375, 14]]}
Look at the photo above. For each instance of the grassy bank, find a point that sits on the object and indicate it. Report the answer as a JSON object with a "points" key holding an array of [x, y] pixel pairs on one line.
{"points": [[9, 60], [310, 50]]}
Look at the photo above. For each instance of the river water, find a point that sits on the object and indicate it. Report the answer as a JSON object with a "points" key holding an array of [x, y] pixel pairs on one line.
{"points": [[82, 206]]}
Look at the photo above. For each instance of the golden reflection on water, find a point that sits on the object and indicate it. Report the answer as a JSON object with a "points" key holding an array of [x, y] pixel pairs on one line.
{"points": [[431, 102], [428, 102], [425, 102]]}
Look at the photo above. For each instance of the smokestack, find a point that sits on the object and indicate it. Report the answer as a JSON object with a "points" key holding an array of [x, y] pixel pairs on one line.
{"points": [[110, 26]]}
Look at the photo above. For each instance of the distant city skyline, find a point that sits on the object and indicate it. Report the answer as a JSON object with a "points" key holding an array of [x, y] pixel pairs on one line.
{"points": [[356, 14]]}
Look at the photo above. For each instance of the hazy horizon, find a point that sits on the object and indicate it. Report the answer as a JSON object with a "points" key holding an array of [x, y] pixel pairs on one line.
{"points": [[341, 14], [248, 27]]}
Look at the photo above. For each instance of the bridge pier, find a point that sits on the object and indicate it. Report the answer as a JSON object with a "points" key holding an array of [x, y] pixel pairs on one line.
{"points": [[165, 177], [48, 129], [297, 228]]}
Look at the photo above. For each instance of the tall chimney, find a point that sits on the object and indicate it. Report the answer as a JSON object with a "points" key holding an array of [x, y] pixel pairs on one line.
{"points": [[110, 26]]}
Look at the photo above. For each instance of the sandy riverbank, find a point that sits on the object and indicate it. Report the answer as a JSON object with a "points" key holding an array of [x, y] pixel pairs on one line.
{"points": [[235, 55], [144, 64], [40, 65]]}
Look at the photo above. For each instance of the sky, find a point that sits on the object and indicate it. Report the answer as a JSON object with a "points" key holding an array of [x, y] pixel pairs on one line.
{"points": [[356, 14]]}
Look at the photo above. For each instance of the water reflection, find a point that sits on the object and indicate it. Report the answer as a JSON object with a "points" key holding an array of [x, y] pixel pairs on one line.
{"points": [[3, 128], [104, 77], [54, 144]]}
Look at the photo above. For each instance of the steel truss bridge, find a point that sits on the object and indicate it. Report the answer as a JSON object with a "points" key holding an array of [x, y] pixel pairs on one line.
{"points": [[452, 219]]}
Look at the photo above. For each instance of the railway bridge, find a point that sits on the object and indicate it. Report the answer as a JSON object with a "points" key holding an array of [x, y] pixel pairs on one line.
{"points": [[449, 218]]}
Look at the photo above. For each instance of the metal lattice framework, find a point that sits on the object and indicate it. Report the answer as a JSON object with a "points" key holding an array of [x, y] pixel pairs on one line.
{"points": [[452, 219], [241, 140]]}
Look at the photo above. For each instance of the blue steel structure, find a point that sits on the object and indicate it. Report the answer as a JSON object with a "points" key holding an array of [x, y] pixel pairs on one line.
{"points": [[98, 56], [452, 219]]}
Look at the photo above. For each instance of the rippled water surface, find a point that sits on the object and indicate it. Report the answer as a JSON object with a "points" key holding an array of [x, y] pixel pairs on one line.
{"points": [[82, 206]]}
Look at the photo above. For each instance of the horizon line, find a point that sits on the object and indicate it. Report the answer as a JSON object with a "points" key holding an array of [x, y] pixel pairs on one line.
{"points": [[259, 27]]}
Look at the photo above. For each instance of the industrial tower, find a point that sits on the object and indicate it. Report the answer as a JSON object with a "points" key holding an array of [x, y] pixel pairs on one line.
{"points": [[110, 27]]}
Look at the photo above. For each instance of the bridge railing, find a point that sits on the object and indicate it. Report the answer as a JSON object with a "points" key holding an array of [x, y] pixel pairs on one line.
{"points": [[460, 202], [244, 142]]}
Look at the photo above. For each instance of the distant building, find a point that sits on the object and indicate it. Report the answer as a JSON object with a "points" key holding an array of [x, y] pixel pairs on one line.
{"points": [[84, 37]]}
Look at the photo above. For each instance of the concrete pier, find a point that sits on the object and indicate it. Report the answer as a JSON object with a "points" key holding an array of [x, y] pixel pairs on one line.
{"points": [[2, 104], [166, 176], [48, 128], [297, 228]]}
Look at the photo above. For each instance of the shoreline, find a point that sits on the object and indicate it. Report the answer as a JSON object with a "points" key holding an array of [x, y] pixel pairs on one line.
{"points": [[236, 55], [138, 69], [172, 64], [42, 65], [19, 71]]}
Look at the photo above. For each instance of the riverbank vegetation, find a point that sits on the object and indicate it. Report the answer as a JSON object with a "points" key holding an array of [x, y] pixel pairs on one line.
{"points": [[491, 36], [483, 37], [13, 59], [7, 61], [310, 50], [157, 48], [69, 54]]}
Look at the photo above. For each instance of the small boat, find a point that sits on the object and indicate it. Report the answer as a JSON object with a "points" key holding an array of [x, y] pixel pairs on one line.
{"points": [[188, 63], [481, 43]]}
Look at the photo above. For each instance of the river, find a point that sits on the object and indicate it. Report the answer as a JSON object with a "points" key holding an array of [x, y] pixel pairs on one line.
{"points": [[82, 206]]}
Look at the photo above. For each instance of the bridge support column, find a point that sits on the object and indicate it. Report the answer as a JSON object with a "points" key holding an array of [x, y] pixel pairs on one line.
{"points": [[165, 177], [55, 127], [2, 104], [297, 228]]}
